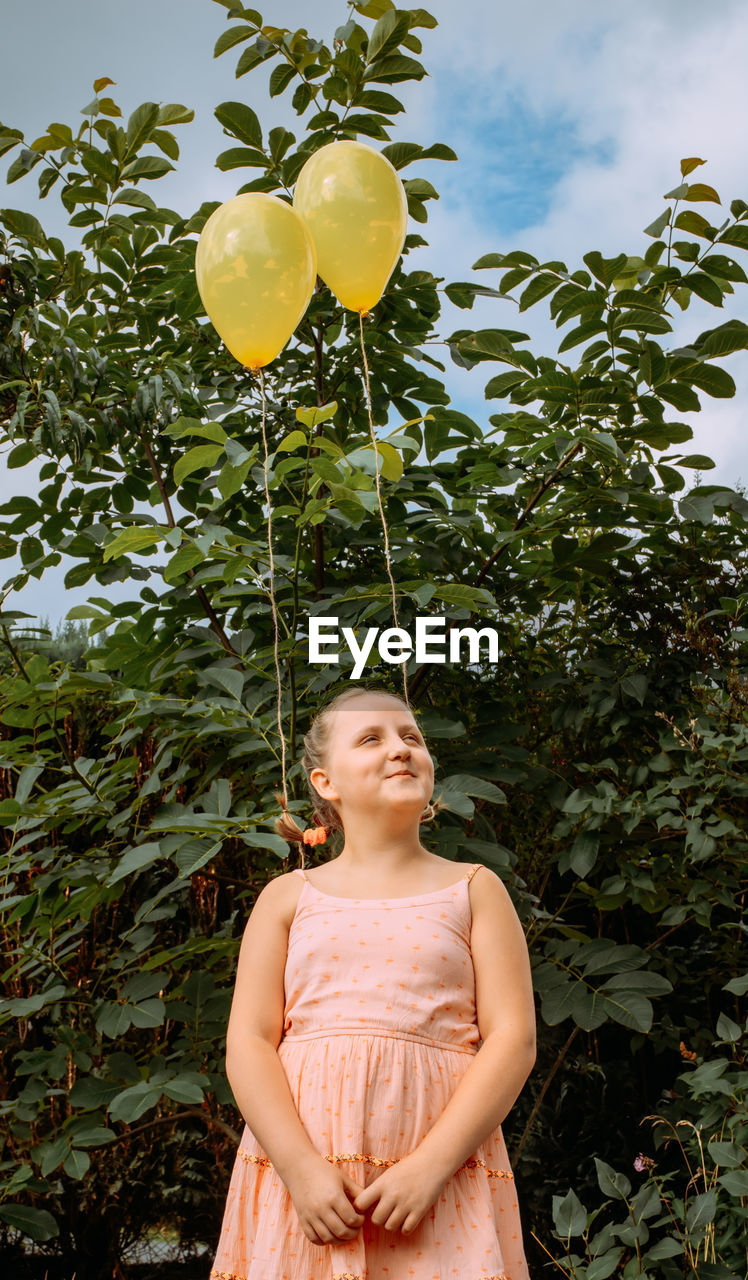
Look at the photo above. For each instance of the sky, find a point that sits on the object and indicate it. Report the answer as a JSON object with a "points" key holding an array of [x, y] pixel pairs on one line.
{"points": [[569, 120]]}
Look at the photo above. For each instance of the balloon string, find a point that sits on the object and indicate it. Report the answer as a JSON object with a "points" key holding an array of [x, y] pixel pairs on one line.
{"points": [[379, 496], [272, 592]]}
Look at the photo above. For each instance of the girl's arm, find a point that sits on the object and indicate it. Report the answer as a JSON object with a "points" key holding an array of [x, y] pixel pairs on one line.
{"points": [[505, 1012], [255, 1029]]}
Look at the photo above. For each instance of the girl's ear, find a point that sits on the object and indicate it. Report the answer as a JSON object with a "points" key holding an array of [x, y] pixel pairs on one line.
{"points": [[322, 784]]}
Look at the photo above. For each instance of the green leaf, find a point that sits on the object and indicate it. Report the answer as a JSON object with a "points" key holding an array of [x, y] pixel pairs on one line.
{"points": [[132, 1103], [737, 986], [734, 235], [241, 158], [699, 460], [25, 225], [635, 686], [735, 1182], [226, 678], [280, 77], [393, 68], [715, 381], [672, 480], [373, 8], [605, 269], [149, 1013], [698, 191], [240, 122], [77, 1164], [666, 1248], [25, 1006], [468, 785], [294, 440], [143, 855], [22, 165], [693, 222], [184, 1090], [193, 427], [390, 461], [727, 337], [9, 138], [133, 539], [504, 382], [679, 395], [301, 98], [703, 285], [166, 142], [569, 1215], [233, 36], [438, 151], [175, 113], [656, 228], [378, 100], [146, 167], [185, 558], [251, 58], [387, 34], [316, 414], [689, 164], [401, 154], [727, 1029], [143, 119], [38, 1224], [702, 1210], [231, 478], [19, 455], [421, 188], [421, 18], [538, 288], [581, 334], [697, 507], [195, 459], [611, 1183], [53, 1154], [583, 854]]}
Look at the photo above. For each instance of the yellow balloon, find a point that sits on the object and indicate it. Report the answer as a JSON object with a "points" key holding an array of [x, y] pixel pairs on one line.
{"points": [[256, 270], [355, 206]]}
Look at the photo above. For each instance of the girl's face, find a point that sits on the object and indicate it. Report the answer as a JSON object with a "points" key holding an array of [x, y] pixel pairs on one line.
{"points": [[376, 759]]}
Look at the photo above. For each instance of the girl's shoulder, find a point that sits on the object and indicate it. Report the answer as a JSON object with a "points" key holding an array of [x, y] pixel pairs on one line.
{"points": [[280, 895]]}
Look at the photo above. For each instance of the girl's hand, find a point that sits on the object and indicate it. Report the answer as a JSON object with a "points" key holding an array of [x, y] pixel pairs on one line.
{"points": [[322, 1196], [402, 1194]]}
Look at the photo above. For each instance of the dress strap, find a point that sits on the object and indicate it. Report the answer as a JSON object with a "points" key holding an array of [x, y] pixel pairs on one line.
{"points": [[472, 872], [301, 872]]}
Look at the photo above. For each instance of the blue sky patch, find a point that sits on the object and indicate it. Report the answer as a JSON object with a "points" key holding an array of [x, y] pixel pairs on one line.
{"points": [[515, 157]]}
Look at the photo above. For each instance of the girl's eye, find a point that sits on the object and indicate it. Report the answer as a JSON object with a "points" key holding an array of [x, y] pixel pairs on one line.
{"points": [[414, 736]]}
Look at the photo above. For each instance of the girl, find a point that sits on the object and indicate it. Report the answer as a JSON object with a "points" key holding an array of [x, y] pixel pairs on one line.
{"points": [[381, 1028]]}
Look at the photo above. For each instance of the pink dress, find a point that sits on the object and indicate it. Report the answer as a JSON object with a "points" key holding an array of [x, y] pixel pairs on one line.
{"points": [[379, 1027]]}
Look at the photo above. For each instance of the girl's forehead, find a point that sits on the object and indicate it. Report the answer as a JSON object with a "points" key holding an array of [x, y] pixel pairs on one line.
{"points": [[373, 712]]}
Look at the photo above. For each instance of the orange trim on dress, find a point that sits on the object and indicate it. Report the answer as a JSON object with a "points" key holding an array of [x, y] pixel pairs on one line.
{"points": [[338, 1275], [380, 1162]]}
